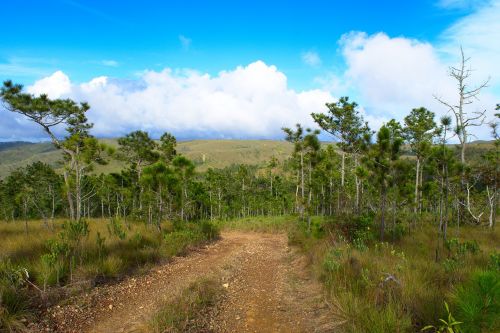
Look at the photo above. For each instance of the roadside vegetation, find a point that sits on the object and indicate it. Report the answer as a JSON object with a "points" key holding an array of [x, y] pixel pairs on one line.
{"points": [[46, 266], [402, 242], [398, 286]]}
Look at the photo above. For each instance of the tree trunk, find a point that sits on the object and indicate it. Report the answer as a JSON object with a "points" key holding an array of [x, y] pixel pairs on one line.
{"points": [[491, 203], [78, 194], [357, 181], [68, 195], [342, 173], [446, 189], [25, 208], [382, 216], [302, 175]]}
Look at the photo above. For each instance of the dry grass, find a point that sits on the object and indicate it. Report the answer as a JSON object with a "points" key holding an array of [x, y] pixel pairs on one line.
{"points": [[187, 313]]}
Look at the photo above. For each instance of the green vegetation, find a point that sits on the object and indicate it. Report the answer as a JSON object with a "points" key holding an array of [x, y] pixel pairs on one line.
{"points": [[275, 224], [33, 265], [393, 238], [179, 315], [399, 287]]}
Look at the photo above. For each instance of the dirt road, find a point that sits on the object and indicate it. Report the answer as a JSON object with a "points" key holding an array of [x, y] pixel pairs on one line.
{"points": [[268, 290]]}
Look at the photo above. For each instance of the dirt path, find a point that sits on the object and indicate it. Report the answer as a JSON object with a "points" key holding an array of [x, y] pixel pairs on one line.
{"points": [[268, 290]]}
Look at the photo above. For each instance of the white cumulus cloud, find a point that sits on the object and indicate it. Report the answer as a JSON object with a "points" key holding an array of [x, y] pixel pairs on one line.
{"points": [[253, 101], [54, 86], [389, 76]]}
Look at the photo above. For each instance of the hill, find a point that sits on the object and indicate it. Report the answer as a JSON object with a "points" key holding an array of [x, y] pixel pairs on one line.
{"points": [[204, 153]]}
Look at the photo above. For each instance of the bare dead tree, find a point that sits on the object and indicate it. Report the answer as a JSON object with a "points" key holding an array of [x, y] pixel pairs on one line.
{"points": [[464, 119], [466, 96]]}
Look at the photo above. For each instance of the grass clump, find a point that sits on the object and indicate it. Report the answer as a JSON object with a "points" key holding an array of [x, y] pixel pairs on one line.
{"points": [[14, 301], [181, 314]]}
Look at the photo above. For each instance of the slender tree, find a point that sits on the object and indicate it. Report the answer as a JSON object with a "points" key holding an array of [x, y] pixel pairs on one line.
{"points": [[381, 161], [345, 123], [466, 96], [419, 131], [167, 148], [184, 169], [48, 114], [138, 150], [297, 139], [157, 177]]}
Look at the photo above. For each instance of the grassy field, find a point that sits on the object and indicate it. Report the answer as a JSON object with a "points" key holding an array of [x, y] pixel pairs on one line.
{"points": [[79, 255], [204, 153], [399, 286]]}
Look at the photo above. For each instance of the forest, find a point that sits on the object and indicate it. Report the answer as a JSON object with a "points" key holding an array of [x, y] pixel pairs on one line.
{"points": [[398, 224]]}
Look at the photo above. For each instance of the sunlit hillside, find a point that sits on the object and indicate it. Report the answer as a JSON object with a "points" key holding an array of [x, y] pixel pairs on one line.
{"points": [[204, 153]]}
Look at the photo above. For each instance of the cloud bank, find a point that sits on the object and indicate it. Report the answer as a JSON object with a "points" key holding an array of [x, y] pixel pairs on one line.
{"points": [[248, 102]]}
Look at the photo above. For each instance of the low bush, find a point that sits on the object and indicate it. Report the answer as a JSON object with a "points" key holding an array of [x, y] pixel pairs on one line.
{"points": [[477, 302], [494, 262], [358, 229]]}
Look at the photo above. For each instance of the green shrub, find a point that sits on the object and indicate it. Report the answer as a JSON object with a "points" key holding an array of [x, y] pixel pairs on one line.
{"points": [[54, 265], [397, 231], [494, 263], [209, 230], [331, 260], [459, 250], [477, 302], [187, 235], [358, 228], [116, 228], [177, 242]]}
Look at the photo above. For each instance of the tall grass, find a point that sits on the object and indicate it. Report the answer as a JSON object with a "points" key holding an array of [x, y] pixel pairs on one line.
{"points": [[90, 252], [399, 286]]}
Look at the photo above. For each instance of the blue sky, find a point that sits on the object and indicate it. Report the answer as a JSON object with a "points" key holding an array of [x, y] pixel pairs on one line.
{"points": [[314, 51]]}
